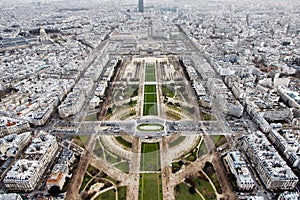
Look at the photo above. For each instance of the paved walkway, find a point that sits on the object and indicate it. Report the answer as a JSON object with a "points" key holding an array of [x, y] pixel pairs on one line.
{"points": [[134, 169], [166, 170], [73, 191]]}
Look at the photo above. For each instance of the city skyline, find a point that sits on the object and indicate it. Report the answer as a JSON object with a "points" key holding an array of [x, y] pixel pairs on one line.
{"points": [[149, 100]]}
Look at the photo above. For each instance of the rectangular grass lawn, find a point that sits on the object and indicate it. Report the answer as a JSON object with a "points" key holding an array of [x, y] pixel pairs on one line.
{"points": [[150, 89], [150, 98], [150, 157], [150, 72], [150, 77], [150, 109], [150, 187], [150, 68], [122, 193]]}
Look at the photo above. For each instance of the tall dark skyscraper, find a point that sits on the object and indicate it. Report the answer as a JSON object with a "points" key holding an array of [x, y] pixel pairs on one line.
{"points": [[141, 5]]}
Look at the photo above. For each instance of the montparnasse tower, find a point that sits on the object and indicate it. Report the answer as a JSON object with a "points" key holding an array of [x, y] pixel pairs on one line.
{"points": [[141, 6]]}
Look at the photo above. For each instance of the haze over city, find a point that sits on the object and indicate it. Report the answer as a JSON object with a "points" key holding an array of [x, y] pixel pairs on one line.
{"points": [[149, 100]]}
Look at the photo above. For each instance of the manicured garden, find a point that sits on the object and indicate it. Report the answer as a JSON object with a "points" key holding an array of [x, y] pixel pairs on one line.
{"points": [[204, 187], [200, 182], [150, 109], [150, 157], [123, 142], [150, 98], [150, 89], [150, 187], [150, 72], [95, 182]]}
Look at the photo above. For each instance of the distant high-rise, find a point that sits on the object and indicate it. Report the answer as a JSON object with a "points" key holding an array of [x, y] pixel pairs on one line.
{"points": [[141, 5]]}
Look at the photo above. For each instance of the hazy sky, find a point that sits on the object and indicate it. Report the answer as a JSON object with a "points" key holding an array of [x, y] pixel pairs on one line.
{"points": [[155, 2]]}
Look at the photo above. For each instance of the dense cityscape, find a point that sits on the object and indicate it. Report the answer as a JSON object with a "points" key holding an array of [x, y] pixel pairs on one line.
{"points": [[149, 100]]}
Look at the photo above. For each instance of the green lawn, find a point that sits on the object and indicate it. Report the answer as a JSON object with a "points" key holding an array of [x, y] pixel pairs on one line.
{"points": [[214, 179], [167, 91], [150, 109], [111, 158], [81, 140], [150, 68], [150, 98], [92, 170], [150, 157], [122, 193], [85, 180], [84, 138], [203, 149], [131, 91], [150, 73], [183, 193], [204, 187], [150, 187], [110, 178], [150, 77], [150, 147], [98, 150], [66, 185], [176, 166], [108, 195], [125, 91], [132, 103], [219, 140], [123, 166], [123, 142], [177, 141], [150, 89], [210, 171], [192, 155]]}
